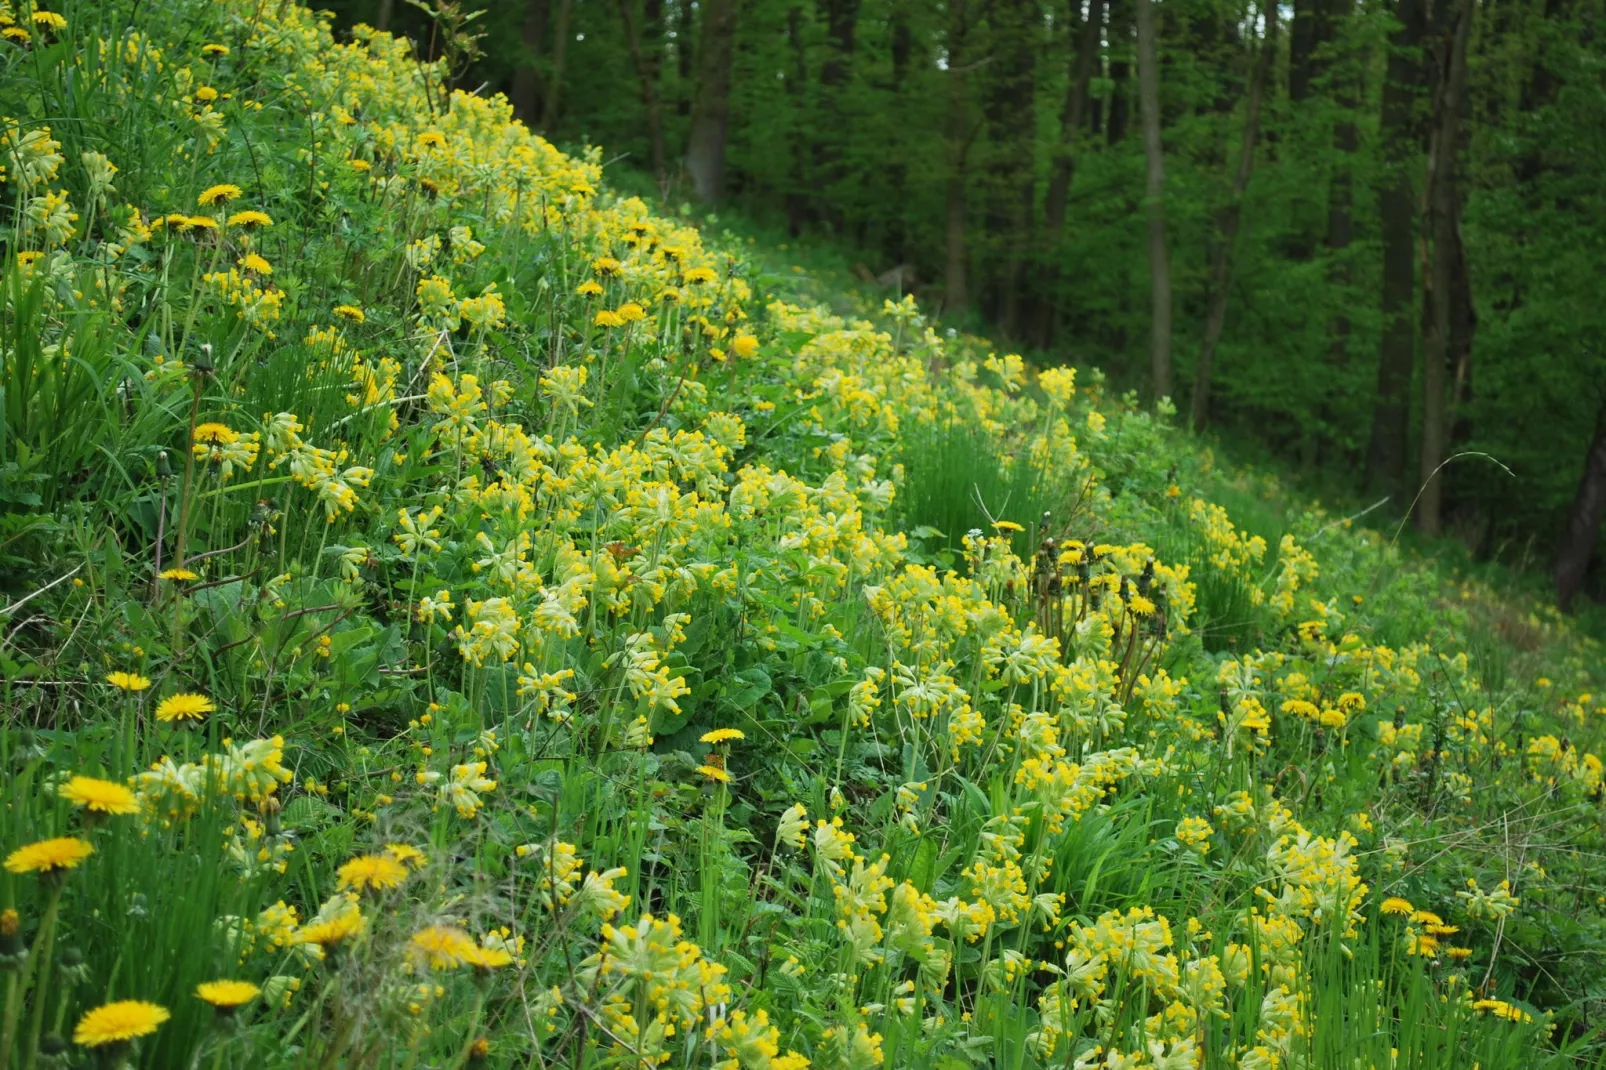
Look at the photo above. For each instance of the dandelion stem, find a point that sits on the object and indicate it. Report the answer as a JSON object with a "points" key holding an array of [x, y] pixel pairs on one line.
{"points": [[41, 953]]}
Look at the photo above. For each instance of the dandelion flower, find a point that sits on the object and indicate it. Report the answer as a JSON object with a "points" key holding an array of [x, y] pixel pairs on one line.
{"points": [[178, 574], [49, 856], [720, 735], [127, 681], [608, 318], [215, 433], [250, 218], [184, 707], [224, 191], [114, 1023], [744, 346], [351, 312], [50, 20], [407, 854], [100, 796], [335, 931], [699, 275], [589, 288], [203, 222], [714, 773], [443, 947], [1006, 525], [205, 94], [258, 264], [214, 50], [1395, 905], [227, 996], [487, 958], [372, 873]]}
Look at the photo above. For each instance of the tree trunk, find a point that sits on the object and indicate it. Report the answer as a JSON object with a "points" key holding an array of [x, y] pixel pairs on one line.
{"points": [[647, 74], [1227, 224], [525, 92], [1010, 174], [1159, 258], [797, 82], [1120, 106], [705, 148], [1584, 520], [1083, 62], [560, 52], [685, 53], [827, 126], [1439, 286], [955, 289], [382, 18], [1391, 411]]}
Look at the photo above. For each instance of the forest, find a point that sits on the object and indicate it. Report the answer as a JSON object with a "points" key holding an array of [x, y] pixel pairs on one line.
{"points": [[1363, 235]]}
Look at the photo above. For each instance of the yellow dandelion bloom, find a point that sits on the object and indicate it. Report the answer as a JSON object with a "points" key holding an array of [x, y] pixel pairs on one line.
{"points": [[487, 958], [442, 947], [250, 218], [203, 222], [178, 574], [114, 1023], [335, 931], [407, 854], [744, 346], [218, 434], [607, 317], [214, 50], [205, 94], [100, 796], [372, 873], [223, 191], [1006, 525], [714, 773], [589, 288], [700, 275], [720, 735], [352, 313], [128, 681], [1458, 954], [253, 262], [1395, 905], [50, 20], [183, 707], [49, 856], [227, 995]]}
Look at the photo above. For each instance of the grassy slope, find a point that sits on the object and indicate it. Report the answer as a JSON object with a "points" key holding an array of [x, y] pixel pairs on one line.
{"points": [[1150, 789]]}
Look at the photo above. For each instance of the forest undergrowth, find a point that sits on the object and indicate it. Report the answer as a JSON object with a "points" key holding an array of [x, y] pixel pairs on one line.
{"points": [[457, 616]]}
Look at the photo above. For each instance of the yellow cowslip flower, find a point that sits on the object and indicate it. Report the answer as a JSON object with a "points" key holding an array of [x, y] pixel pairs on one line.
{"points": [[720, 735], [99, 796], [227, 996], [49, 856], [128, 681], [223, 191], [114, 1023], [184, 707]]}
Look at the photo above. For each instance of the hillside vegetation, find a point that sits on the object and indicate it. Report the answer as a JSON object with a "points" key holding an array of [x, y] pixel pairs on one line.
{"points": [[455, 616]]}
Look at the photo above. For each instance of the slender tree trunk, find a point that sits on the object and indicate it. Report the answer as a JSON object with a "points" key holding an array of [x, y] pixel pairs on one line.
{"points": [[525, 92], [1391, 411], [1120, 106], [1159, 257], [1227, 224], [797, 198], [1584, 519], [1011, 175], [647, 74], [387, 9], [956, 294], [1439, 286], [1083, 61], [560, 52], [705, 149], [685, 54]]}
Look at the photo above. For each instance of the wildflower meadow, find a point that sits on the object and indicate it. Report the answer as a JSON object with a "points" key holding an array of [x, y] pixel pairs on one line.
{"points": [[461, 615]]}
